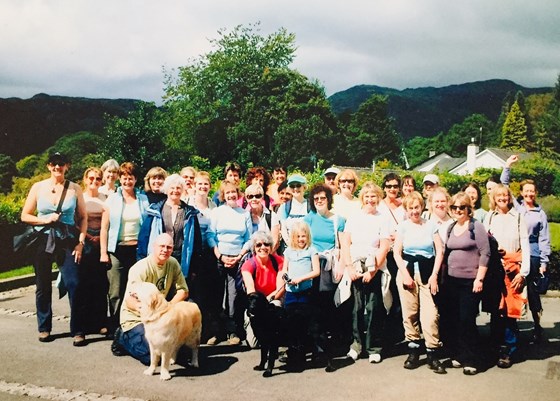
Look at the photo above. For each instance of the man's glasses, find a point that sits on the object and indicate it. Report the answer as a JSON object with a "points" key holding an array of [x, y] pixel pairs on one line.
{"points": [[461, 207], [295, 185], [255, 196], [319, 198], [391, 186], [261, 244]]}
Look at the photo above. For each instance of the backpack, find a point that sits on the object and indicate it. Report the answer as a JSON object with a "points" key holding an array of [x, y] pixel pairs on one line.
{"points": [[494, 284], [254, 272]]}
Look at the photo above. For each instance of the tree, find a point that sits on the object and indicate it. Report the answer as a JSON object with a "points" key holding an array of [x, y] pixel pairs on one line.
{"points": [[476, 126], [139, 137], [514, 131], [241, 100], [7, 172], [418, 149], [371, 135]]}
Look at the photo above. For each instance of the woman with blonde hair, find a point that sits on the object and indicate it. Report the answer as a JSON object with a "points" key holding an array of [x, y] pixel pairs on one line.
{"points": [[95, 272], [365, 244], [344, 202], [418, 252], [508, 226], [153, 184]]}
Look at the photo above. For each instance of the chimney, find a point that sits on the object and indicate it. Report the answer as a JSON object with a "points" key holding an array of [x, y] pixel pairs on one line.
{"points": [[472, 151], [431, 154]]}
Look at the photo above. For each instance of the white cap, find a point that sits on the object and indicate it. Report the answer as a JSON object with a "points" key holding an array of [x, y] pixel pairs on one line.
{"points": [[434, 179]]}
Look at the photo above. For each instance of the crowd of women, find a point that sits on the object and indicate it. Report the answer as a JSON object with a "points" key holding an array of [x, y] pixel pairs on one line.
{"points": [[360, 273]]}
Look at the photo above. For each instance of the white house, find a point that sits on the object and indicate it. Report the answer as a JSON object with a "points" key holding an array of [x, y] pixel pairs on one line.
{"points": [[488, 158]]}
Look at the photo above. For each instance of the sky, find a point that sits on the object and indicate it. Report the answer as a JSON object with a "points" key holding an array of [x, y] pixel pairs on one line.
{"points": [[121, 48]]}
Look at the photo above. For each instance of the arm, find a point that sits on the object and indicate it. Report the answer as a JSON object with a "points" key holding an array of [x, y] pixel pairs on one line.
{"points": [[544, 242], [81, 221], [483, 245], [346, 255], [408, 281], [438, 247], [180, 296], [249, 282], [104, 235], [380, 257], [520, 278]]}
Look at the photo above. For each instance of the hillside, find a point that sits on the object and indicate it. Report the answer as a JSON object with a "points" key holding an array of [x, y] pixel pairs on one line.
{"points": [[427, 111], [29, 126]]}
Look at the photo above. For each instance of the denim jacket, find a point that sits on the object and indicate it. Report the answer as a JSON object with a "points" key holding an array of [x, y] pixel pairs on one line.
{"points": [[152, 226], [115, 203]]}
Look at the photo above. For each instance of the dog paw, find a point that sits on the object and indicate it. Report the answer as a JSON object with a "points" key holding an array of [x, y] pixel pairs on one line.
{"points": [[149, 372], [267, 373], [172, 361], [164, 376]]}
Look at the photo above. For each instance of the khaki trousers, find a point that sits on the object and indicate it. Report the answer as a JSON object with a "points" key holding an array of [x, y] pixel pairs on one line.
{"points": [[419, 310]]}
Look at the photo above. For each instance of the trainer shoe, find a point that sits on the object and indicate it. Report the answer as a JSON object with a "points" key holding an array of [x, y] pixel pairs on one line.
{"points": [[212, 341], [374, 358], [353, 354], [233, 339]]}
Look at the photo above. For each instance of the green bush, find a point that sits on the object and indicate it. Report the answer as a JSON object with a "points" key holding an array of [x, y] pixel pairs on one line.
{"points": [[10, 210]]}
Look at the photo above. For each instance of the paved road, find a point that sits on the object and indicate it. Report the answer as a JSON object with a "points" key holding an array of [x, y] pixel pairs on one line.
{"points": [[59, 371]]}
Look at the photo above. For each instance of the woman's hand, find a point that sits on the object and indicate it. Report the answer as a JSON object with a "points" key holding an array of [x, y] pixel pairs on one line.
{"points": [[104, 258], [432, 283], [51, 218], [477, 286], [408, 282], [368, 276], [78, 252], [230, 261], [518, 282]]}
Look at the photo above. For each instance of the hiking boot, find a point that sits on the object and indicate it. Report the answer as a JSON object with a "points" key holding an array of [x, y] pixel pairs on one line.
{"points": [[434, 363], [413, 360], [504, 362], [116, 348]]}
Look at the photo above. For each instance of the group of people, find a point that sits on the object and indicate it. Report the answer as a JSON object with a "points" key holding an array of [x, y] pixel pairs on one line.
{"points": [[360, 273]]}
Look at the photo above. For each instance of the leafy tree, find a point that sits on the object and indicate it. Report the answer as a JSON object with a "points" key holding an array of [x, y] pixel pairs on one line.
{"points": [[139, 137], [371, 135], [241, 101], [514, 131], [81, 148], [7, 172], [28, 166], [506, 106], [418, 149], [476, 126]]}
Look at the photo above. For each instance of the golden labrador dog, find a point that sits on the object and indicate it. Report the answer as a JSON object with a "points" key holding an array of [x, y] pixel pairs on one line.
{"points": [[167, 326]]}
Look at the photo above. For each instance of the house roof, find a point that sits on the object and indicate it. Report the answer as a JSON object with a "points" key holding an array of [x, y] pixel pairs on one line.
{"points": [[444, 162]]}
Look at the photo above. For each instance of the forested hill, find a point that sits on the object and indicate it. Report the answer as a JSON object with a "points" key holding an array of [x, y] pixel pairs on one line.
{"points": [[29, 126], [427, 111]]}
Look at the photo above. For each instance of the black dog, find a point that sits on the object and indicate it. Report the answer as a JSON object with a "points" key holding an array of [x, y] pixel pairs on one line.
{"points": [[270, 325]]}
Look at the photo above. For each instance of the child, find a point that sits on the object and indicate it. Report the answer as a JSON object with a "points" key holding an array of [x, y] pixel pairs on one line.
{"points": [[301, 266]]}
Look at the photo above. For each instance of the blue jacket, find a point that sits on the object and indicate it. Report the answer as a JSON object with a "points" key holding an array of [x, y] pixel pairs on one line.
{"points": [[116, 204], [152, 226]]}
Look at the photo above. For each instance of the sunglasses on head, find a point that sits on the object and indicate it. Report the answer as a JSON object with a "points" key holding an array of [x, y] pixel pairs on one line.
{"points": [[295, 185], [455, 207], [261, 244], [255, 196], [391, 186]]}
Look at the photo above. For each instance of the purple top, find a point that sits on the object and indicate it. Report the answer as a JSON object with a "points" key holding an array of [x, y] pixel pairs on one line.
{"points": [[467, 254]]}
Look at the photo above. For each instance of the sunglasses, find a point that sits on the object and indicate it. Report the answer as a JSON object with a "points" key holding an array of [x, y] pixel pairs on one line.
{"points": [[295, 185], [261, 244], [346, 181], [59, 164], [455, 207], [94, 178], [319, 198], [391, 186], [255, 196]]}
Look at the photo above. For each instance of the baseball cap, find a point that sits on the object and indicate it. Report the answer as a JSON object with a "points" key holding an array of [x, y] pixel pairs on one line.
{"points": [[431, 178], [297, 178], [331, 170]]}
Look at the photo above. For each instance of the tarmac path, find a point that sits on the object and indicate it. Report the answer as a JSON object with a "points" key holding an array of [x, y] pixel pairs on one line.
{"points": [[58, 371]]}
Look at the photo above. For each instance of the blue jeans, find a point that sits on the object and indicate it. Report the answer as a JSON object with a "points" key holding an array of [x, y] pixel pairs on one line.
{"points": [[72, 277], [135, 343]]}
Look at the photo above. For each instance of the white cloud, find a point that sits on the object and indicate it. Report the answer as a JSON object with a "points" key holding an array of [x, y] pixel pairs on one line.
{"points": [[117, 48]]}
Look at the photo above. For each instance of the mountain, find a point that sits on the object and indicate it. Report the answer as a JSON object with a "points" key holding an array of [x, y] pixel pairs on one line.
{"points": [[30, 126], [427, 111]]}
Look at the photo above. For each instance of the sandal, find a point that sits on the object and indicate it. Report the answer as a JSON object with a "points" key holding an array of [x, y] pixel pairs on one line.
{"points": [[45, 337], [79, 341]]}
